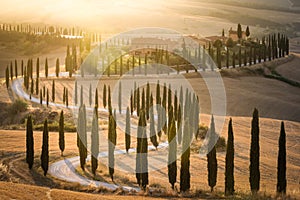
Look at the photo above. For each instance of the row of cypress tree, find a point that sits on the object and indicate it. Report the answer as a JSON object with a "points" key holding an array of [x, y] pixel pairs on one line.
{"points": [[45, 145]]}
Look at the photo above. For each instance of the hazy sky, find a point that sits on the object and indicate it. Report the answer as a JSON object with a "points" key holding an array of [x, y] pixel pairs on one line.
{"points": [[115, 15]]}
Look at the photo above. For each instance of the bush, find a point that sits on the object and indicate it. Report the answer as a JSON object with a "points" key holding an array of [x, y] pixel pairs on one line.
{"points": [[53, 127], [18, 106], [221, 144], [202, 130]]}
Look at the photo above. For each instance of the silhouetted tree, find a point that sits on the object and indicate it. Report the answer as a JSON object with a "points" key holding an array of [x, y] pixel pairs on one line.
{"points": [[179, 125], [104, 96], [47, 98], [172, 156], [95, 141], [67, 97], [153, 137], [90, 94], [61, 131], [212, 165], [254, 154], [7, 77], [185, 159], [16, 69], [41, 97], [29, 143], [45, 149], [147, 100], [82, 138], [57, 68], [81, 95], [127, 130], [75, 94], [109, 101], [112, 140], [247, 31], [37, 67], [46, 68], [239, 31], [281, 162], [142, 153], [96, 98], [37, 86], [11, 71], [229, 162]]}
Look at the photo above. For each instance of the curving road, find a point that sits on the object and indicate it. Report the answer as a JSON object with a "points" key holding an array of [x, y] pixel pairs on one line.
{"points": [[66, 169]]}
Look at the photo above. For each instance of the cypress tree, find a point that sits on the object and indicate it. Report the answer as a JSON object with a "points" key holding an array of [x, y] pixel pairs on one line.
{"points": [[81, 95], [185, 159], [38, 67], [175, 106], [142, 151], [212, 165], [109, 101], [16, 68], [172, 156], [104, 96], [61, 131], [127, 130], [153, 137], [281, 162], [179, 125], [227, 57], [96, 98], [138, 102], [22, 68], [90, 94], [41, 97], [143, 100], [164, 100], [75, 94], [112, 140], [131, 103], [169, 97], [53, 90], [95, 141], [247, 32], [47, 98], [170, 118], [11, 71], [239, 32], [45, 149], [134, 95], [82, 138], [57, 67], [146, 63], [120, 97], [158, 101], [7, 77], [44, 91], [67, 97], [147, 100], [64, 95], [46, 68], [254, 154], [37, 86], [229, 162], [29, 143]]}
